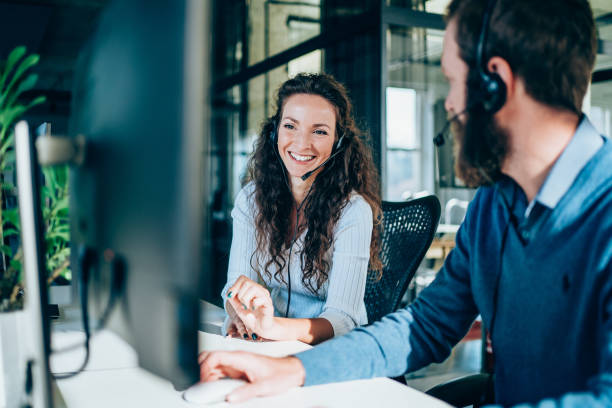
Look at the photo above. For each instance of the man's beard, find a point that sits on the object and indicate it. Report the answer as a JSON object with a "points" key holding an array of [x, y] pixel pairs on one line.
{"points": [[480, 147]]}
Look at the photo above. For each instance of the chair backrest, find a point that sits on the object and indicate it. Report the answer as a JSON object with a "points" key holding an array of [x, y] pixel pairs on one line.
{"points": [[408, 229]]}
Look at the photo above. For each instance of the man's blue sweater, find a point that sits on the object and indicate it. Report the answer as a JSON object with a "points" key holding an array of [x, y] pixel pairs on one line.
{"points": [[541, 279]]}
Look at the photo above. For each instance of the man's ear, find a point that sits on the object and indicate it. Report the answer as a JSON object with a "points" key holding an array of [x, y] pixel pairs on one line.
{"points": [[502, 68]]}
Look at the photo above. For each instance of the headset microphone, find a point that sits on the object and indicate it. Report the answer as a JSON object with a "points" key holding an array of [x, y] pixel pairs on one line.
{"points": [[439, 139], [309, 173]]}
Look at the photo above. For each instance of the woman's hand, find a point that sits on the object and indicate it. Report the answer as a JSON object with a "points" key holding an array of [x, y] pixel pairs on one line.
{"points": [[235, 327], [253, 307]]}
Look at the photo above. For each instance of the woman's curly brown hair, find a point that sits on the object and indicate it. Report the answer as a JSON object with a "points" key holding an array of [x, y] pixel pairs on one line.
{"points": [[351, 170]]}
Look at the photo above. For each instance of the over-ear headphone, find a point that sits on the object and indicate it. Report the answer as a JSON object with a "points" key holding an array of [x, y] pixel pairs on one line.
{"points": [[492, 87]]}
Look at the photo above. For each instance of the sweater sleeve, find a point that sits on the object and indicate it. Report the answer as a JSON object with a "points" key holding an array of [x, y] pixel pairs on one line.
{"points": [[344, 307], [243, 243], [408, 339]]}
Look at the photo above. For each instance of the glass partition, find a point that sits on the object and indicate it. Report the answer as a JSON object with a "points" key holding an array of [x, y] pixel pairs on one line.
{"points": [[414, 85], [600, 105]]}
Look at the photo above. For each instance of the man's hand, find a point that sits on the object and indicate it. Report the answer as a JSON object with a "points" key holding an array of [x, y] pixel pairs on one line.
{"points": [[266, 375]]}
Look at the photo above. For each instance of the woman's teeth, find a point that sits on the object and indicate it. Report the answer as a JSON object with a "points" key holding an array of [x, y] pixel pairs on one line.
{"points": [[300, 157]]}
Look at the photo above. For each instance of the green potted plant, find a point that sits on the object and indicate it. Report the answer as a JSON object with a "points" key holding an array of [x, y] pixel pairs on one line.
{"points": [[54, 195], [15, 80]]}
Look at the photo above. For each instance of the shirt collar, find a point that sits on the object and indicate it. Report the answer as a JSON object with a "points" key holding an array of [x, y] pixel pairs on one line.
{"points": [[581, 148]]}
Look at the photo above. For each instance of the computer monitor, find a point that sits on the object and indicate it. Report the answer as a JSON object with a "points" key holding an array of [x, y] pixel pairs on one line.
{"points": [[137, 202], [33, 375]]}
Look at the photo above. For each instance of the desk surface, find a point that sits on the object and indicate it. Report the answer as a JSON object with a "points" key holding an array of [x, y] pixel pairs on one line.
{"points": [[113, 379]]}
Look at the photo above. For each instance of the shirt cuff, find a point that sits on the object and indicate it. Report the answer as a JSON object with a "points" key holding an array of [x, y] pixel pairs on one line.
{"points": [[341, 322], [318, 367], [314, 373]]}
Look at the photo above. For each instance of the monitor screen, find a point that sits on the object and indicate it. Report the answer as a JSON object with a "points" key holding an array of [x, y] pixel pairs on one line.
{"points": [[138, 200]]}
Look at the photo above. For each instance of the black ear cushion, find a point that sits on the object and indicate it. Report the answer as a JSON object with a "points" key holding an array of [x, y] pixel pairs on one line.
{"points": [[494, 92]]}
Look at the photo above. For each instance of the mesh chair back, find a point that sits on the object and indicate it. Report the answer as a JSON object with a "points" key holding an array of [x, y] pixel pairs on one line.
{"points": [[408, 229]]}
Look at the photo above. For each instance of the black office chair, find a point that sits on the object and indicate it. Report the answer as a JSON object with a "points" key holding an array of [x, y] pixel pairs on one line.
{"points": [[408, 229], [471, 390]]}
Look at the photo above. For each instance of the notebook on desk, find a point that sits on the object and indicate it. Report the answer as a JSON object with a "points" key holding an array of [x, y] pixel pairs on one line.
{"points": [[211, 342]]}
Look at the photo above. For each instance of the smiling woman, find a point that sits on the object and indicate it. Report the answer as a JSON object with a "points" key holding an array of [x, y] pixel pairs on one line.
{"points": [[306, 135], [304, 223]]}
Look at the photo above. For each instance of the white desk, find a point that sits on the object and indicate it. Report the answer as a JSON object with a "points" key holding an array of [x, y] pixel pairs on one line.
{"points": [[447, 228], [113, 379]]}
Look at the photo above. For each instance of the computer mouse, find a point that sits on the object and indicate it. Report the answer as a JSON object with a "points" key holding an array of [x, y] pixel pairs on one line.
{"points": [[211, 392]]}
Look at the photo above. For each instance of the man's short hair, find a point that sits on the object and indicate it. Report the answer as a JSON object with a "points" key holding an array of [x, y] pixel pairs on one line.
{"points": [[550, 44]]}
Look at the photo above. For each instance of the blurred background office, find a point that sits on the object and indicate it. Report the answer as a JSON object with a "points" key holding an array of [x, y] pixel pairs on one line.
{"points": [[387, 53]]}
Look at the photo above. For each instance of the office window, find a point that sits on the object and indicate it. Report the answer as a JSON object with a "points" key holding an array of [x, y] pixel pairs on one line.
{"points": [[439, 6], [403, 145], [599, 106], [310, 62], [401, 119], [276, 25], [430, 6], [414, 85]]}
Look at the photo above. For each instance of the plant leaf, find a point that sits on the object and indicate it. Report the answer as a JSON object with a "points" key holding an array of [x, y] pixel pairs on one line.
{"points": [[11, 215], [5, 249], [24, 85], [61, 174], [59, 206], [65, 236], [25, 64], [14, 56], [10, 231], [7, 143], [60, 255], [36, 101], [50, 178], [8, 115], [15, 264], [45, 192], [7, 161], [63, 227]]}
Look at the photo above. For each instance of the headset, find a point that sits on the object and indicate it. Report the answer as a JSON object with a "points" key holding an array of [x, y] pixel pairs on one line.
{"points": [[491, 88], [273, 136]]}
